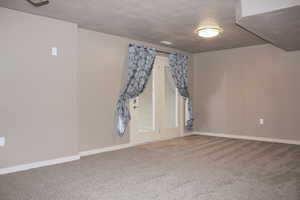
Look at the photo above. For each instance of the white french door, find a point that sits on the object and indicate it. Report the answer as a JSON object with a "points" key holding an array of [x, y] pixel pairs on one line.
{"points": [[157, 113]]}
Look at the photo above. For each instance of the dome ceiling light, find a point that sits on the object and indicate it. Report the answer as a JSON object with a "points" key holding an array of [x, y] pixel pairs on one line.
{"points": [[209, 32]]}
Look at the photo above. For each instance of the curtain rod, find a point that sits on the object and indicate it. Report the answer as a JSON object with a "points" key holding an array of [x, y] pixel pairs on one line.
{"points": [[158, 51], [164, 52]]}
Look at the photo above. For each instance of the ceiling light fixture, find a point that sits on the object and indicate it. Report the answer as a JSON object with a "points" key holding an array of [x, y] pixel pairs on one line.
{"points": [[166, 42], [209, 32]]}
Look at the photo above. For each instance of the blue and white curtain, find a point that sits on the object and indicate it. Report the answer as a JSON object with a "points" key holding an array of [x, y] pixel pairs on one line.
{"points": [[140, 64], [178, 67]]}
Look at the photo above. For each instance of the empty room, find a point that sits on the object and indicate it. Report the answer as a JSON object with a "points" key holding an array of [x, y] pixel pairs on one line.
{"points": [[150, 100]]}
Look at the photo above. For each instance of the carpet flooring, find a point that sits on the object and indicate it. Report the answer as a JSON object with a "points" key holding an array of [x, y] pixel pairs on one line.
{"points": [[193, 167]]}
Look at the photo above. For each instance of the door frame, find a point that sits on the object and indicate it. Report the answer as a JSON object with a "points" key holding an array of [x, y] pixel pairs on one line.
{"points": [[158, 133]]}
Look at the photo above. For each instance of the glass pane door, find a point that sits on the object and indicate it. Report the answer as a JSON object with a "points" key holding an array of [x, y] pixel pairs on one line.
{"points": [[146, 107], [156, 113], [171, 107]]}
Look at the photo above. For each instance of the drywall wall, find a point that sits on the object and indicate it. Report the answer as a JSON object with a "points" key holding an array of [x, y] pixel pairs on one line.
{"points": [[255, 7], [42, 95], [102, 71], [38, 109], [234, 88]]}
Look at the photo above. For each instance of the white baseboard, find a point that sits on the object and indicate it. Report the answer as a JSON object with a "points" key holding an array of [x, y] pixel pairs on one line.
{"points": [[263, 139], [123, 146], [38, 164], [105, 149], [72, 158], [188, 133]]}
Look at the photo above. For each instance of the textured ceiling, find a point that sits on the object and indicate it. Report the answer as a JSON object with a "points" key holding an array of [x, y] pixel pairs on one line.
{"points": [[151, 20]]}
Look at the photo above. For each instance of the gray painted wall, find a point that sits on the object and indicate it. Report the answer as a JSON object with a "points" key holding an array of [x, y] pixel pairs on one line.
{"points": [[42, 95], [38, 108], [234, 88]]}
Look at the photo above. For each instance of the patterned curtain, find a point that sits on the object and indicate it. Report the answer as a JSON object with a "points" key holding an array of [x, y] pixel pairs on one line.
{"points": [[178, 68], [140, 64]]}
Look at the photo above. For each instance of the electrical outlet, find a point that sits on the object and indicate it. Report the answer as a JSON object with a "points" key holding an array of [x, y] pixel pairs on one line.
{"points": [[261, 121], [2, 141]]}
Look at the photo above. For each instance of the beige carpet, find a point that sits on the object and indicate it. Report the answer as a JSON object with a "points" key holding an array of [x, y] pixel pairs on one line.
{"points": [[194, 167]]}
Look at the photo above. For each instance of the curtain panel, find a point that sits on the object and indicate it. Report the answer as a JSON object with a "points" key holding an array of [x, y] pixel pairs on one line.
{"points": [[178, 67], [140, 64]]}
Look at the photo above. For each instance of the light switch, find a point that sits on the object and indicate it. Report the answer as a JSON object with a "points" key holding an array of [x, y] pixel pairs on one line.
{"points": [[261, 121], [2, 141], [54, 51]]}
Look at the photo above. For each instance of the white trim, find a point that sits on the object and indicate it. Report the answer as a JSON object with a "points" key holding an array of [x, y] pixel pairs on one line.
{"points": [[124, 146], [33, 165], [153, 100], [105, 149], [176, 108], [264, 139], [45, 163]]}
